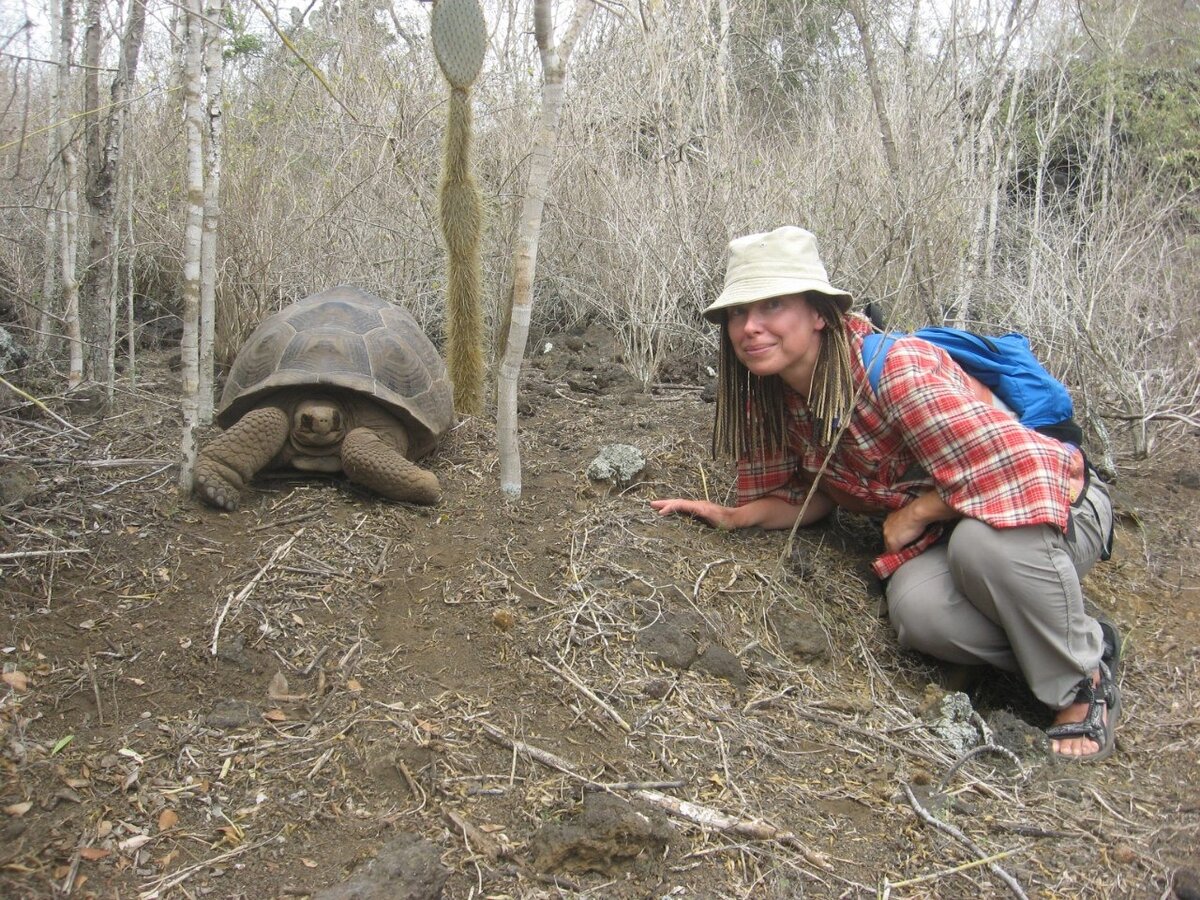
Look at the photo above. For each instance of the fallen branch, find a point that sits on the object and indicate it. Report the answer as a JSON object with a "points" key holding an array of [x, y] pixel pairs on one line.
{"points": [[475, 838], [22, 554], [280, 552], [934, 876], [121, 484], [43, 407], [704, 816], [166, 883], [118, 463], [587, 692], [947, 828], [862, 732]]}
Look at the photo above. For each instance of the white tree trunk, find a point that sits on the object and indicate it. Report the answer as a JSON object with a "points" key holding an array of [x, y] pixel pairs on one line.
{"points": [[194, 131], [103, 180], [91, 295], [214, 81], [554, 70], [68, 224], [50, 269]]}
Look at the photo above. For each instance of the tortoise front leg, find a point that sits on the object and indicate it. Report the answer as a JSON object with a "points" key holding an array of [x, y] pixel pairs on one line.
{"points": [[368, 460], [226, 466]]}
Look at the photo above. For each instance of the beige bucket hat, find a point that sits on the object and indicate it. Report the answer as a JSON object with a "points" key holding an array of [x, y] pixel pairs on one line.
{"points": [[773, 264]]}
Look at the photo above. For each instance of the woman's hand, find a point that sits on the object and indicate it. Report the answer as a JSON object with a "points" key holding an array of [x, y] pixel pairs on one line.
{"points": [[904, 525], [901, 528], [714, 514]]}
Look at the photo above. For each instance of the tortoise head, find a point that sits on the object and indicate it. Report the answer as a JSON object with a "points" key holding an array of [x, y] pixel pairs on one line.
{"points": [[318, 423]]}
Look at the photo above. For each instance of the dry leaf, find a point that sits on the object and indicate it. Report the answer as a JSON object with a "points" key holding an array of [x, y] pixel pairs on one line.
{"points": [[135, 843], [354, 686], [278, 688], [504, 619], [93, 853], [16, 680], [77, 782], [275, 715], [167, 819], [19, 809], [312, 864]]}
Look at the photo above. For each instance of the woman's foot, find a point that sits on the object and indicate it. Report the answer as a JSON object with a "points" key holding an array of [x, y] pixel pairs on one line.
{"points": [[1086, 730], [1076, 712]]}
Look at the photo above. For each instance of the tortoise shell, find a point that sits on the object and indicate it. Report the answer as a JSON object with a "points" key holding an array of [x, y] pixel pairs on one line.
{"points": [[345, 339]]}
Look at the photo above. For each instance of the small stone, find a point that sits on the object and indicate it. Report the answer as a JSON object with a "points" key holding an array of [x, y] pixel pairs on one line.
{"points": [[407, 868], [669, 645], [229, 714], [718, 661], [1188, 478], [618, 463], [950, 717], [18, 481], [1186, 884], [609, 836], [801, 636], [656, 688]]}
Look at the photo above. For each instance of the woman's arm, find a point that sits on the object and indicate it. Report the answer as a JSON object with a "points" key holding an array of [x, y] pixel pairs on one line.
{"points": [[765, 512]]}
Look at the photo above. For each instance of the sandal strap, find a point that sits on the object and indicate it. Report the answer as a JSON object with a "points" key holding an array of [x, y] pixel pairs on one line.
{"points": [[1097, 698]]}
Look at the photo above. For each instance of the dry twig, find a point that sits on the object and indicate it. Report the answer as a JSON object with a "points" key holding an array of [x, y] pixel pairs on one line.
{"points": [[955, 833]]}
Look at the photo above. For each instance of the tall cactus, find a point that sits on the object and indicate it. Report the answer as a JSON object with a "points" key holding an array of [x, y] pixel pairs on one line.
{"points": [[459, 40]]}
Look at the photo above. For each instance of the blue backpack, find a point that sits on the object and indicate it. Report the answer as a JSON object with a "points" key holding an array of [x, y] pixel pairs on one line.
{"points": [[1005, 364]]}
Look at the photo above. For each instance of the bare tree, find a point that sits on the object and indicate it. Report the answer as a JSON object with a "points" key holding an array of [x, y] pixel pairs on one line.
{"points": [[99, 301], [554, 70], [67, 197], [891, 155], [193, 73], [214, 132]]}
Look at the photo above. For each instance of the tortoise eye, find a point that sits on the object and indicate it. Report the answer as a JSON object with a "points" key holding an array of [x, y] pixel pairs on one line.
{"points": [[306, 422], [337, 421]]}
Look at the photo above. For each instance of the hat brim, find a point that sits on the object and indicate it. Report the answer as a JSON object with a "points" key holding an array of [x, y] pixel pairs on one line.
{"points": [[751, 290]]}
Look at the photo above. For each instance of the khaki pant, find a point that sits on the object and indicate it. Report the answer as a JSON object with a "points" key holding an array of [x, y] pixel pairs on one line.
{"points": [[1010, 598]]}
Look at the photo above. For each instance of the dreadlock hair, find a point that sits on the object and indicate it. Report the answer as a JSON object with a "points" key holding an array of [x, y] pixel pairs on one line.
{"points": [[750, 409]]}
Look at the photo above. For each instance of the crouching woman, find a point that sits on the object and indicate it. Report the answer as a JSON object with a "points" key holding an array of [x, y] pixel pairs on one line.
{"points": [[988, 526]]}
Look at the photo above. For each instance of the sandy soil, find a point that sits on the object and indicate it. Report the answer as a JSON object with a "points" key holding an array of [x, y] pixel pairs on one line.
{"points": [[562, 697]]}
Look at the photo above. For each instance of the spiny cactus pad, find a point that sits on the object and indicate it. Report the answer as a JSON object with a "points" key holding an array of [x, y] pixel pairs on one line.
{"points": [[459, 40]]}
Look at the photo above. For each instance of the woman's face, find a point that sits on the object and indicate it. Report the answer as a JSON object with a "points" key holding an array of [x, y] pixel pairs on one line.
{"points": [[777, 336]]}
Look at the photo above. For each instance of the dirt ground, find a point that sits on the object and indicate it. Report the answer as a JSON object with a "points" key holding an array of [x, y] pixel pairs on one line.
{"points": [[326, 694]]}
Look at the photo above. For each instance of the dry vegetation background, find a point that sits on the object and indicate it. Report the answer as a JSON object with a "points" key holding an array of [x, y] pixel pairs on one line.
{"points": [[1039, 172], [1034, 166]]}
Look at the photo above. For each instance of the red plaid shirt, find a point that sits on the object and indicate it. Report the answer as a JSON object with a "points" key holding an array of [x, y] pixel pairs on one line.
{"points": [[924, 430]]}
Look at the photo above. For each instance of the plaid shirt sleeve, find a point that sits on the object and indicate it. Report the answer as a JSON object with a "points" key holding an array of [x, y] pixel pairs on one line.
{"points": [[982, 462], [774, 475]]}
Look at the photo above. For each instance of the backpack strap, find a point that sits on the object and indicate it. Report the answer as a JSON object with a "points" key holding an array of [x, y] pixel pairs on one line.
{"points": [[875, 349]]}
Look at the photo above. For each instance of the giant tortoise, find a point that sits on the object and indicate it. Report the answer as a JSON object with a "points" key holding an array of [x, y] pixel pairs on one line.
{"points": [[341, 381]]}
